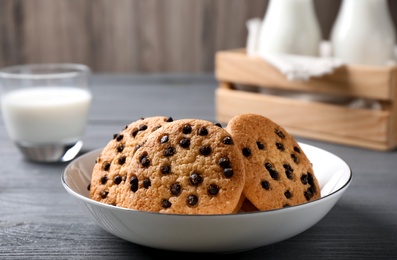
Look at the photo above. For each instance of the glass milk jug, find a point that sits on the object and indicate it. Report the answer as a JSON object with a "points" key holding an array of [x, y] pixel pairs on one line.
{"points": [[363, 33], [290, 27]]}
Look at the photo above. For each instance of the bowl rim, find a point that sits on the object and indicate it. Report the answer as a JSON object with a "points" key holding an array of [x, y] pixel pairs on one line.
{"points": [[302, 205]]}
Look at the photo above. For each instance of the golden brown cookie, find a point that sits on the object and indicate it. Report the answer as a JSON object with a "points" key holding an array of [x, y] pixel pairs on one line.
{"points": [[106, 173], [189, 166], [278, 173]]}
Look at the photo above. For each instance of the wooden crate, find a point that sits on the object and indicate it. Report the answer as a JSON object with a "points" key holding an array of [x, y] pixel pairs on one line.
{"points": [[369, 128]]}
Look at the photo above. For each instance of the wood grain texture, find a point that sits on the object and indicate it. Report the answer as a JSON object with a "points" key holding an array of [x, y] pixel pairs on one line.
{"points": [[133, 35], [354, 81], [361, 127], [123, 35]]}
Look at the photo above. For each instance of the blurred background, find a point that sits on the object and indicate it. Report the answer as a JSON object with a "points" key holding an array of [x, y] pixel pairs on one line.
{"points": [[134, 36]]}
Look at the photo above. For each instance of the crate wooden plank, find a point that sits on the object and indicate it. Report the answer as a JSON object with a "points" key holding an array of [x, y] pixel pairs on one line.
{"points": [[354, 81], [360, 127], [345, 140], [393, 118]]}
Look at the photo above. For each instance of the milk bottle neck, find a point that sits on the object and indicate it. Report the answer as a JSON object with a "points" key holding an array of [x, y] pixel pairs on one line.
{"points": [[290, 26], [365, 9]]}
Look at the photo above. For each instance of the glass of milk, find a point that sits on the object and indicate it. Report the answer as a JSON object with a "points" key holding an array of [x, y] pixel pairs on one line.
{"points": [[45, 109]]}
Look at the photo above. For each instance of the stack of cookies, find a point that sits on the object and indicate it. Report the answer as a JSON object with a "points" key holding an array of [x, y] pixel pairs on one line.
{"points": [[193, 166]]}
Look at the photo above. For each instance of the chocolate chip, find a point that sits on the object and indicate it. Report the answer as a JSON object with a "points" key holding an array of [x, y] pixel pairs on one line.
{"points": [[122, 160], [279, 133], [227, 140], [260, 145], [280, 146], [304, 179], [213, 189], [286, 205], [175, 189], [104, 179], [141, 118], [288, 167], [119, 138], [195, 179], [265, 185], [246, 152], [296, 149], [120, 148], [289, 174], [104, 194], [165, 203], [192, 200], [169, 119], [205, 150], [134, 132], [218, 124], [106, 166], [146, 183], [164, 139], [228, 172], [273, 172], [169, 151], [142, 127], [156, 128], [294, 158], [134, 183], [89, 187], [187, 129], [224, 162], [289, 171], [165, 169], [145, 161], [311, 182], [308, 194], [203, 131], [117, 179], [288, 194], [134, 180], [115, 136], [185, 143]]}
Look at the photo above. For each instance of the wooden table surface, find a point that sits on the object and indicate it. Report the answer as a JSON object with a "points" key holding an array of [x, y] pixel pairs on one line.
{"points": [[40, 220]]}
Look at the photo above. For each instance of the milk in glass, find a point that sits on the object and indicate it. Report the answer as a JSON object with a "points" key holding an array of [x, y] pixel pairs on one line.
{"points": [[46, 115]]}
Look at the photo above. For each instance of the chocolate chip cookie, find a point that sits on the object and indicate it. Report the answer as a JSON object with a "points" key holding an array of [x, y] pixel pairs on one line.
{"points": [[278, 173], [106, 176], [188, 166]]}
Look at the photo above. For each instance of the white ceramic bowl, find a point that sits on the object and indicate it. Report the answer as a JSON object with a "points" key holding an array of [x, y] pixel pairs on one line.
{"points": [[212, 233]]}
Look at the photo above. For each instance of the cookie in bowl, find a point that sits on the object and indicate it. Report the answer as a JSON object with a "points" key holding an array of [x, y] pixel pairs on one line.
{"points": [[106, 175], [278, 173], [189, 166]]}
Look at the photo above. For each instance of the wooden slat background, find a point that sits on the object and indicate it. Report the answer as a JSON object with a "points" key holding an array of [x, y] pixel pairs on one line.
{"points": [[131, 36]]}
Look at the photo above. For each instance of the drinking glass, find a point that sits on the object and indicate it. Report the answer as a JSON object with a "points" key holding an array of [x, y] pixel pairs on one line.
{"points": [[45, 109]]}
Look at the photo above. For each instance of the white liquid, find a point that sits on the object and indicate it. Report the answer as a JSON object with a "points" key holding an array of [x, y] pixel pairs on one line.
{"points": [[46, 115]]}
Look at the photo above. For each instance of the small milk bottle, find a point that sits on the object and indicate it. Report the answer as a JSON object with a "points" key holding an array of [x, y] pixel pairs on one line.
{"points": [[363, 33], [290, 27]]}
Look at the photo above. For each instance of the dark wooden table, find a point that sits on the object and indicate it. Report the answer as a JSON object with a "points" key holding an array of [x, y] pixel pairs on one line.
{"points": [[39, 220]]}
